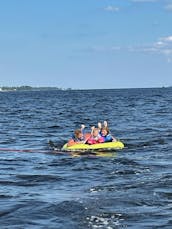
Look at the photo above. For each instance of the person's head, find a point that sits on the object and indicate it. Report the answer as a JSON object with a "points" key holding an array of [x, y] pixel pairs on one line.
{"points": [[104, 131], [95, 132], [78, 133]]}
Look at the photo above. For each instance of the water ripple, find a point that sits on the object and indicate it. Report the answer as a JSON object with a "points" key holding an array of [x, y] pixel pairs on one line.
{"points": [[41, 188]]}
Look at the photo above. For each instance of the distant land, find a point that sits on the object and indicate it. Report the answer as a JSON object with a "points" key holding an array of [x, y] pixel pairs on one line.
{"points": [[29, 88]]}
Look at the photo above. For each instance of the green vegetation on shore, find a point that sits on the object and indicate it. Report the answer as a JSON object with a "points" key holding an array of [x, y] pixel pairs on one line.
{"points": [[29, 88]]}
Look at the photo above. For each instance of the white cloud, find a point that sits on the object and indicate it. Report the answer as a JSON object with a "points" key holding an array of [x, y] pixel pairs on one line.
{"points": [[168, 7], [111, 8], [105, 48], [166, 40], [159, 43], [144, 0], [163, 47], [167, 3]]}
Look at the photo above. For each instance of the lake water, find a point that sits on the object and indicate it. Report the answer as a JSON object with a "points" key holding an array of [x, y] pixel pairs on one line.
{"points": [[130, 188]]}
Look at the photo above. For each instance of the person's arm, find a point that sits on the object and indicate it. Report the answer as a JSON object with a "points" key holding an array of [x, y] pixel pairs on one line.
{"points": [[87, 137], [99, 125], [113, 139]]}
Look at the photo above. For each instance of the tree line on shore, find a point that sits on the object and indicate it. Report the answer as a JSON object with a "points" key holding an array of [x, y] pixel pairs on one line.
{"points": [[28, 88]]}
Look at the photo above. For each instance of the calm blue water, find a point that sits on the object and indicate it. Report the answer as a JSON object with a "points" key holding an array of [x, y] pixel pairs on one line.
{"points": [[131, 188]]}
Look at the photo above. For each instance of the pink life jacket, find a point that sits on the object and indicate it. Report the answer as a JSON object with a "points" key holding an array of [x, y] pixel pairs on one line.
{"points": [[93, 140]]}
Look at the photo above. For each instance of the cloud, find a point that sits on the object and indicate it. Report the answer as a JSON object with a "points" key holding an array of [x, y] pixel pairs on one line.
{"points": [[162, 47], [167, 3], [111, 8], [168, 7], [105, 49], [144, 1], [166, 39]]}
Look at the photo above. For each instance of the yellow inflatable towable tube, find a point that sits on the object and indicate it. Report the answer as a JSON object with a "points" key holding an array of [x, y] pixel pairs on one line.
{"points": [[105, 145]]}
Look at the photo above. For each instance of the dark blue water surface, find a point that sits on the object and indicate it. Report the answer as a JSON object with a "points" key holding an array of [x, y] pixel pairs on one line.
{"points": [[42, 188]]}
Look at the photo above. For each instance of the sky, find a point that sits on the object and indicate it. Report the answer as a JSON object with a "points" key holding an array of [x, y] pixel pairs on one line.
{"points": [[86, 44]]}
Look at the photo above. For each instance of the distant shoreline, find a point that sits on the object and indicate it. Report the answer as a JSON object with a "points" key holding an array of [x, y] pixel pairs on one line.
{"points": [[29, 88]]}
